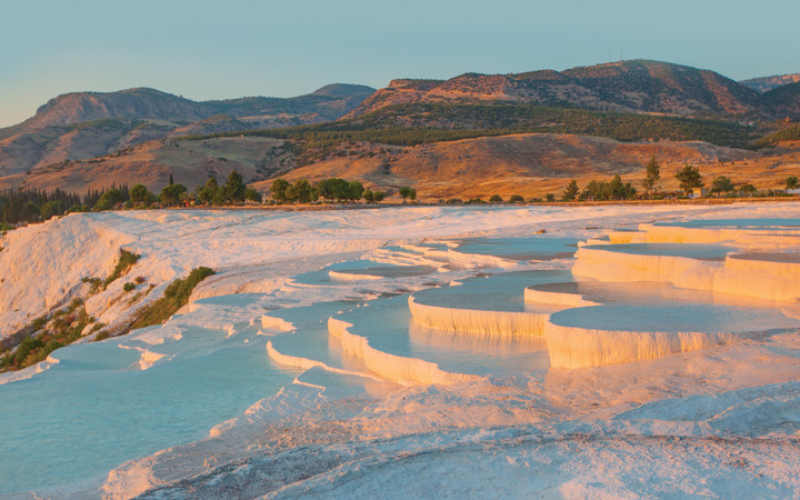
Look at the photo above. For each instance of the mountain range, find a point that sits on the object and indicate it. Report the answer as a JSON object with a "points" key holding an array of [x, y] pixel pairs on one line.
{"points": [[85, 125], [630, 86], [91, 139]]}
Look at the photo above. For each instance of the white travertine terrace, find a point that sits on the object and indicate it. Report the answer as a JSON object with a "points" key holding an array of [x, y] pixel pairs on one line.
{"points": [[397, 368], [603, 264], [766, 275], [352, 276], [506, 324], [770, 277], [724, 259], [573, 347]]}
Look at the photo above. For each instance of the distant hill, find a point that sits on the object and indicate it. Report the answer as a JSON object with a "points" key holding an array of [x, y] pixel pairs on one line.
{"points": [[785, 100], [152, 163], [85, 125], [530, 165], [329, 102], [526, 164], [550, 124], [628, 86], [767, 83]]}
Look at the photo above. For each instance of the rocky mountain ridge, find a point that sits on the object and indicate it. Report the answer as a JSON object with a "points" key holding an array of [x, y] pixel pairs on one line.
{"points": [[638, 86], [767, 83], [86, 125], [92, 139], [150, 104]]}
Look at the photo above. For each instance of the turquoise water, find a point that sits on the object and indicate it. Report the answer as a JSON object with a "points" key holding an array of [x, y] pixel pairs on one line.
{"points": [[521, 249], [692, 251], [499, 292], [322, 277], [704, 317], [737, 223], [661, 307], [311, 339], [388, 326], [95, 409]]}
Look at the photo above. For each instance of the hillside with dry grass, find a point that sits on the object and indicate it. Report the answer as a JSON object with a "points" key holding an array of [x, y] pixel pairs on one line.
{"points": [[85, 125], [533, 165], [152, 163]]}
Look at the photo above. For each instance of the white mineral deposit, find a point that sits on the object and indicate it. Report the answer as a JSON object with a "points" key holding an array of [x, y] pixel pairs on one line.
{"points": [[372, 353]]}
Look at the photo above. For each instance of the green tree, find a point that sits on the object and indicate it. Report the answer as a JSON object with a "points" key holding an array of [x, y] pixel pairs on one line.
{"points": [[689, 178], [251, 194], [412, 194], [792, 182], [571, 191], [379, 196], [355, 190], [301, 191], [234, 188], [52, 208], [550, 197], [722, 184], [405, 192], [139, 193], [620, 191], [334, 188], [495, 198], [748, 189], [653, 170], [279, 190], [208, 193], [515, 198], [172, 193], [369, 196], [109, 200]]}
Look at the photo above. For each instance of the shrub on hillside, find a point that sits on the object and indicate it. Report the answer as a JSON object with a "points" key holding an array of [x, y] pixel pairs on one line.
{"points": [[175, 296], [126, 261]]}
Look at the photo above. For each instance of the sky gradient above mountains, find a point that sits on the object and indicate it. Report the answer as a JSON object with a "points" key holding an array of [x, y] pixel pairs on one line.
{"points": [[210, 50]]}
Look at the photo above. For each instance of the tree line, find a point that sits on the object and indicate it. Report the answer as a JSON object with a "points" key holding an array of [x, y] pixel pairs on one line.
{"points": [[422, 123], [31, 205], [302, 191], [689, 179]]}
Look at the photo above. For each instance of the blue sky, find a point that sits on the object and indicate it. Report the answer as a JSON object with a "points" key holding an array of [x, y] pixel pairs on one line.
{"points": [[233, 48]]}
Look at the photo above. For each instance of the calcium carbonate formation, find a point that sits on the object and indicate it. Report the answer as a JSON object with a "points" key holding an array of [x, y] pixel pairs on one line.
{"points": [[630, 296]]}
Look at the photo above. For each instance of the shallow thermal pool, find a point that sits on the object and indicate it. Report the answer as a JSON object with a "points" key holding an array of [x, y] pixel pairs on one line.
{"points": [[388, 326], [766, 224], [310, 339], [358, 269], [96, 408], [692, 251], [661, 307], [498, 292], [521, 249]]}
